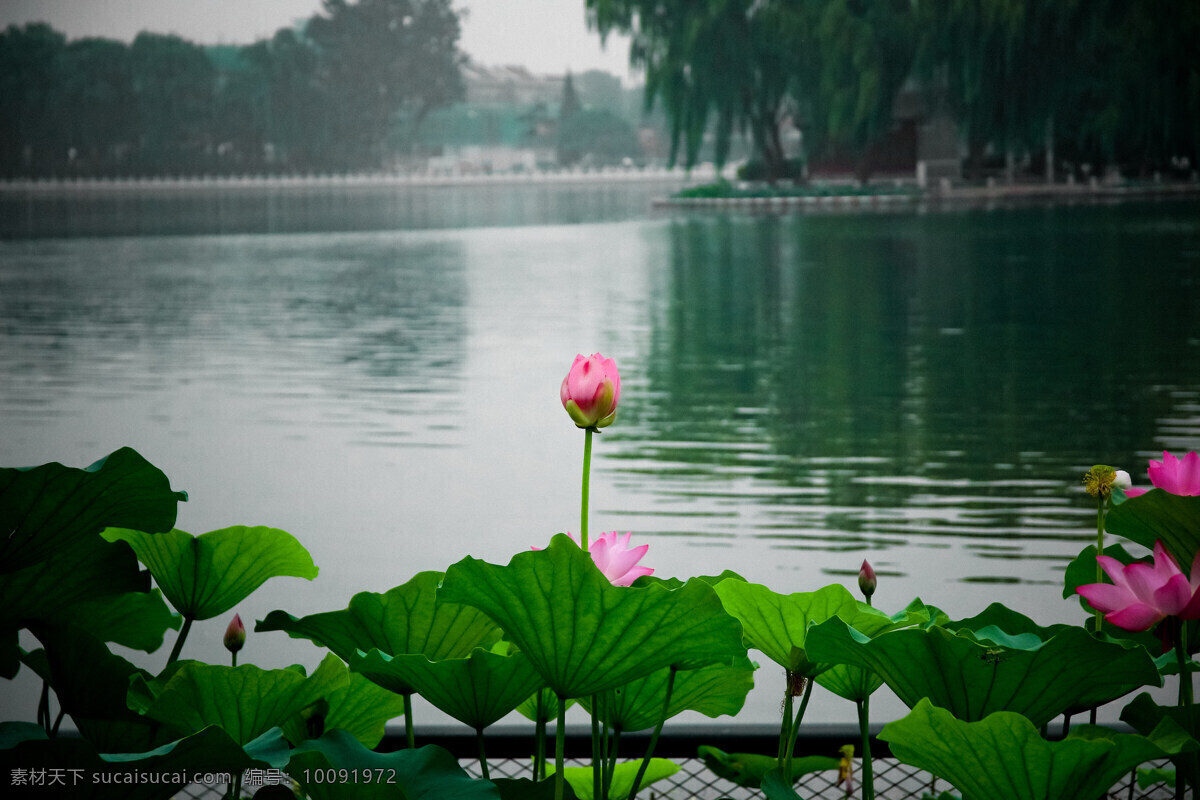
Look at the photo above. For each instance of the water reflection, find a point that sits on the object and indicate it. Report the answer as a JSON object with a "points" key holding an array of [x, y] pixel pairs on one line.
{"points": [[881, 383]]}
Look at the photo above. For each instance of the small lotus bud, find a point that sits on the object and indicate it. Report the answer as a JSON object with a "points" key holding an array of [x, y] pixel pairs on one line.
{"points": [[866, 580], [1121, 480], [235, 634]]}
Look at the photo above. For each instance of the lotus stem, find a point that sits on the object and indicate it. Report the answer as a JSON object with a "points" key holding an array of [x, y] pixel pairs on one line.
{"points": [[1099, 551], [795, 730], [785, 726], [587, 472], [641, 773], [1185, 675], [597, 753], [179, 640], [43, 709], [409, 735], [560, 743], [539, 740], [612, 761], [483, 767], [868, 777]]}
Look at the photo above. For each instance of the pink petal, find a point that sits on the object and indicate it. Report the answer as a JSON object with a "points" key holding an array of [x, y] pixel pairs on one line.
{"points": [[1114, 569], [1143, 581], [1105, 597], [1173, 596], [1192, 609], [632, 575], [1137, 617], [1189, 474], [1165, 566], [1134, 491]]}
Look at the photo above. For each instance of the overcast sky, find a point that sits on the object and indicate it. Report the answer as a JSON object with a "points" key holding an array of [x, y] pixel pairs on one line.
{"points": [[548, 36]]}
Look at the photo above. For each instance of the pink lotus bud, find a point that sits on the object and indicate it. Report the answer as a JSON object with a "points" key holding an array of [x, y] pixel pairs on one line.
{"points": [[235, 634], [591, 390], [866, 580], [1174, 475]]}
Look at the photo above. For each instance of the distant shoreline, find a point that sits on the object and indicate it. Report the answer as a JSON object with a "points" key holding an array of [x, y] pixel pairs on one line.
{"points": [[354, 180]]}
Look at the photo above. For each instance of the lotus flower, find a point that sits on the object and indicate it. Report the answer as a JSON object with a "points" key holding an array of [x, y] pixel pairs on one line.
{"points": [[235, 634], [1142, 594], [867, 580], [1174, 475], [591, 390], [616, 559]]}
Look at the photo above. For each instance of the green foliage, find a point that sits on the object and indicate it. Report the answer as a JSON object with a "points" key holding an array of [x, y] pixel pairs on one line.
{"points": [[1147, 717], [204, 576], [750, 769], [1003, 755], [476, 690], [715, 690], [580, 778], [244, 701], [777, 625], [427, 771], [596, 137], [407, 619], [972, 678], [49, 509], [585, 635], [1158, 515]]}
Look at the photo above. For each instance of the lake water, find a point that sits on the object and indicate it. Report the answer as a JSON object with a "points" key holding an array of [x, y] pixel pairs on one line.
{"points": [[377, 373]]}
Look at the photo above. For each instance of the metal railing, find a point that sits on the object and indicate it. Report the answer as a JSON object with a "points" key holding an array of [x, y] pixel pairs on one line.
{"points": [[509, 756]]}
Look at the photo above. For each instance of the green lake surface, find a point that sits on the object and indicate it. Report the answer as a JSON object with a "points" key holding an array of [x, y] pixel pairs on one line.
{"points": [[377, 372]]}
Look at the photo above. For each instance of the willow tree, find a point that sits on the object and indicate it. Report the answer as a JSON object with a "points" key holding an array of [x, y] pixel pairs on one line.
{"points": [[729, 61]]}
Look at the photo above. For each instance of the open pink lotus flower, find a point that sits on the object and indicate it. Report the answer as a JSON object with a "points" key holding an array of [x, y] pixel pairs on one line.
{"points": [[1142, 594], [1175, 475], [615, 558]]}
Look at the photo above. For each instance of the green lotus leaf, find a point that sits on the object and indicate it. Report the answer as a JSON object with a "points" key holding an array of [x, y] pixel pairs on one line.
{"points": [[49, 509], [476, 691], [92, 686], [404, 620], [1003, 755], [1082, 570], [972, 679], [749, 769], [77, 762], [361, 708], [528, 707], [676, 583], [205, 576], [95, 584], [245, 701], [424, 772], [580, 778], [585, 635], [856, 683], [1147, 778], [777, 624], [715, 690], [1159, 515], [1145, 716]]}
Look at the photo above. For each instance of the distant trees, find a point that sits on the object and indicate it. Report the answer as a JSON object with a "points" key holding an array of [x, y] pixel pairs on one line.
{"points": [[328, 96], [1101, 80]]}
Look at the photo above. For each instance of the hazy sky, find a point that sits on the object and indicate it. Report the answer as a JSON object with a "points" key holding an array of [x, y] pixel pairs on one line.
{"points": [[548, 36]]}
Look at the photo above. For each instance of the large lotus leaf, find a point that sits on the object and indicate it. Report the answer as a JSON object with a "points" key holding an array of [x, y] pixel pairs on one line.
{"points": [[92, 686], [95, 584], [585, 635], [972, 679], [528, 707], [777, 624], [714, 691], [1159, 515], [676, 583], [48, 509], [1145, 716], [361, 708], [84, 773], [580, 778], [856, 683], [749, 769], [476, 691], [1082, 570], [205, 576], [245, 701], [406, 619], [423, 773], [1004, 756]]}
